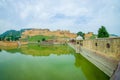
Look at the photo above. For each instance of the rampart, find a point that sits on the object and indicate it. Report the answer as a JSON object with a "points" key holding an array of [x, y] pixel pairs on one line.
{"points": [[103, 53], [107, 46]]}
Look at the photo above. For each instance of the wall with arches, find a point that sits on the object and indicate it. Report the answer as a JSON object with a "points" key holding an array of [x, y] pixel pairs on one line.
{"points": [[108, 46]]}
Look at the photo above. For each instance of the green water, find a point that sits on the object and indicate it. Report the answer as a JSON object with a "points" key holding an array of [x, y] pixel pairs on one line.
{"points": [[35, 62]]}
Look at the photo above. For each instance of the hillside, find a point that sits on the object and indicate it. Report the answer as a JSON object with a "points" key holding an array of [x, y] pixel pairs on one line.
{"points": [[35, 34], [10, 35], [39, 38]]}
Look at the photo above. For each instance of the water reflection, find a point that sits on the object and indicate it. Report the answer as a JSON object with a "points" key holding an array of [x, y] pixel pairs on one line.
{"points": [[36, 50], [91, 72], [58, 62]]}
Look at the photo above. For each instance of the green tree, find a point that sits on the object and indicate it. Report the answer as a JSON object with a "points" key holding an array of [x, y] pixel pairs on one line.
{"points": [[8, 38], [38, 41], [0, 38], [102, 32], [43, 39], [81, 34], [12, 34]]}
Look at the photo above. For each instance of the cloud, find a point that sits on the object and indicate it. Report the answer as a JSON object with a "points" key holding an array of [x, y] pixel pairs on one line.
{"points": [[4, 25], [74, 15]]}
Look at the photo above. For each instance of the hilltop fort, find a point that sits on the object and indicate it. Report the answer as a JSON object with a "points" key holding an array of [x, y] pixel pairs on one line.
{"points": [[47, 32]]}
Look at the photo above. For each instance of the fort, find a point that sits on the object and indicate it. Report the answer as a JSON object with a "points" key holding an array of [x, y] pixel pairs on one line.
{"points": [[102, 52], [47, 32]]}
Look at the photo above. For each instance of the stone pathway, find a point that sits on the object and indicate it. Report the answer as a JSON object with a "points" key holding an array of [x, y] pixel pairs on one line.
{"points": [[116, 74]]}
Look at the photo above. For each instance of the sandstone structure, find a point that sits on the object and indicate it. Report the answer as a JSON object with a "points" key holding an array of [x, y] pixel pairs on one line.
{"points": [[47, 32], [88, 35]]}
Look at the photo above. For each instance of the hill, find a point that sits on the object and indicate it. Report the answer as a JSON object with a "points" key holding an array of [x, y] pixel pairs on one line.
{"points": [[10, 35]]}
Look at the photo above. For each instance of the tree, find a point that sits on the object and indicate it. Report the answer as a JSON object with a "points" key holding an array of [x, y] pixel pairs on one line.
{"points": [[12, 34], [43, 39], [102, 32], [8, 38], [38, 41], [81, 34], [0, 38]]}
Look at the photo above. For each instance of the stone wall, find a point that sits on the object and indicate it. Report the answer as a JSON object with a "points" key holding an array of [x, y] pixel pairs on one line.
{"points": [[103, 53], [7, 43], [107, 46], [12, 44]]}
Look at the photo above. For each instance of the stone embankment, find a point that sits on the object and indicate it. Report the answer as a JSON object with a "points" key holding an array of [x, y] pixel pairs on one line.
{"points": [[99, 53]]}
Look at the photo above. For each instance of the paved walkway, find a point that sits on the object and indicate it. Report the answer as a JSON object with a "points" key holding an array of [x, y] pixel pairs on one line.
{"points": [[116, 74]]}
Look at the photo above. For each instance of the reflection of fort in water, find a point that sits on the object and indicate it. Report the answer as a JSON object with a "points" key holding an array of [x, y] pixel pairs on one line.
{"points": [[41, 50], [88, 69]]}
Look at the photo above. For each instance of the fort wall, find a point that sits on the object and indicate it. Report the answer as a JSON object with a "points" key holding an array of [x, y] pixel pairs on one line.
{"points": [[103, 53], [47, 32], [107, 46]]}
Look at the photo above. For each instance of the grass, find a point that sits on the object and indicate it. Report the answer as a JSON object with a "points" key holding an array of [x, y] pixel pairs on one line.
{"points": [[39, 37]]}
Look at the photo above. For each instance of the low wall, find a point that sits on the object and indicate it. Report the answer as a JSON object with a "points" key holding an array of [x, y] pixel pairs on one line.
{"points": [[107, 46], [104, 51], [7, 43], [11, 44]]}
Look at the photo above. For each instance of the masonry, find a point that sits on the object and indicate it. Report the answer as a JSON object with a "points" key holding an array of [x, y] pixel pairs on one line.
{"points": [[12, 43], [47, 32], [103, 53], [107, 46]]}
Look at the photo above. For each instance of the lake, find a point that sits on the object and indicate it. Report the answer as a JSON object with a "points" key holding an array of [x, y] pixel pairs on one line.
{"points": [[55, 62]]}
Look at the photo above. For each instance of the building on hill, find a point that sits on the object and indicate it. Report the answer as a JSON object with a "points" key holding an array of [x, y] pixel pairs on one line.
{"points": [[47, 32]]}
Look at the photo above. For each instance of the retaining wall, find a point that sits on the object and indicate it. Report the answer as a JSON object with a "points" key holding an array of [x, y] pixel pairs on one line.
{"points": [[107, 46], [11, 44], [103, 53]]}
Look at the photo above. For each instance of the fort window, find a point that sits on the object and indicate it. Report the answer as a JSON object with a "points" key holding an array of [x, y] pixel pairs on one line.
{"points": [[77, 42], [96, 44], [108, 45]]}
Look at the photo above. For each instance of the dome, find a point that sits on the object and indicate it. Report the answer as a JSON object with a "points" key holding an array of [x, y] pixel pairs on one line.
{"points": [[79, 38]]}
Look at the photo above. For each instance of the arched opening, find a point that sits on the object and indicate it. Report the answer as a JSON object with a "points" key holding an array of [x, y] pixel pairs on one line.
{"points": [[108, 45], [96, 44]]}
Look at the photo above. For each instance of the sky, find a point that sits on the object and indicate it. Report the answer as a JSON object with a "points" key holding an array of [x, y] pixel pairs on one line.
{"points": [[73, 15]]}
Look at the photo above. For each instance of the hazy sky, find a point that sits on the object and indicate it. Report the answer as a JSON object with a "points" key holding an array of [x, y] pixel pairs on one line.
{"points": [[73, 15]]}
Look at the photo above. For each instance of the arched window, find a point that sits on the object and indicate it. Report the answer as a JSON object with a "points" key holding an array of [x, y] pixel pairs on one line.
{"points": [[108, 45], [96, 44], [77, 42]]}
